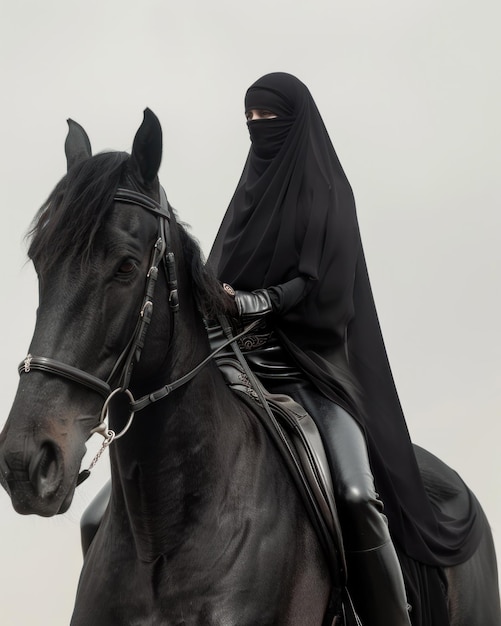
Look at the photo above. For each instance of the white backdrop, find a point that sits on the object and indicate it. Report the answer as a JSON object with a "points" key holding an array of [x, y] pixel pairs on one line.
{"points": [[410, 93]]}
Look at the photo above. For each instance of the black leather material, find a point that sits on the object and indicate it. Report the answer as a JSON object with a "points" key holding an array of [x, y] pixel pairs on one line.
{"points": [[297, 437], [360, 510], [377, 587], [303, 432], [253, 304], [271, 362], [57, 368], [264, 354], [375, 578]]}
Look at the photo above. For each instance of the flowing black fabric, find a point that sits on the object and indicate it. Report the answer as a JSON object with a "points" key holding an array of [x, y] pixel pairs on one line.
{"points": [[293, 216]]}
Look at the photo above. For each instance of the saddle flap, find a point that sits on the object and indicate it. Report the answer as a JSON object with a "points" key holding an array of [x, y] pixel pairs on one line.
{"points": [[298, 440]]}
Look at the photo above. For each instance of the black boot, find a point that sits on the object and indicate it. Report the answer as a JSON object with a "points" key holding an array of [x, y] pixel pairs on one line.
{"points": [[377, 587]]}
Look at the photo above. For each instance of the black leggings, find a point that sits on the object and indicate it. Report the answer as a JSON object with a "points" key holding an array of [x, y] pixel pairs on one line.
{"points": [[360, 511]]}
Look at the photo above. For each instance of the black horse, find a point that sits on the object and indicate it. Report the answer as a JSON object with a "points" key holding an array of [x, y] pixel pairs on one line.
{"points": [[203, 525]]}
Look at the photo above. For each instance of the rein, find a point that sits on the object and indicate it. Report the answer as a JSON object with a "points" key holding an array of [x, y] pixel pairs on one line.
{"points": [[161, 253], [145, 401]]}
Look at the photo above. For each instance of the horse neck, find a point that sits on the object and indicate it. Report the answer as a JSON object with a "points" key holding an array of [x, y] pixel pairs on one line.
{"points": [[171, 467]]}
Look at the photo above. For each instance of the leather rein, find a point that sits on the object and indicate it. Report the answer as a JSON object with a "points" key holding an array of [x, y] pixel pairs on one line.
{"points": [[161, 253]]}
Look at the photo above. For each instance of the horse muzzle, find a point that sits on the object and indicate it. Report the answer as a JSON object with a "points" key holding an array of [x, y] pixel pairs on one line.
{"points": [[34, 477]]}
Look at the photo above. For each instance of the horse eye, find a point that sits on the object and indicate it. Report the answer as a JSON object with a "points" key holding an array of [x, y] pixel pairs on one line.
{"points": [[126, 267]]}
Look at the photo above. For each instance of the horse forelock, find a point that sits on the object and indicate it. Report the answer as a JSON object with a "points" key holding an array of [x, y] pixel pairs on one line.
{"points": [[66, 225]]}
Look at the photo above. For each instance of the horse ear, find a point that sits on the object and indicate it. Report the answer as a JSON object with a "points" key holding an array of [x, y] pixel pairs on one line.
{"points": [[77, 145], [147, 149]]}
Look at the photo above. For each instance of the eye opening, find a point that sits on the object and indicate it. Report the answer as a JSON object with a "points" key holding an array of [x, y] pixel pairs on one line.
{"points": [[126, 268], [259, 114]]}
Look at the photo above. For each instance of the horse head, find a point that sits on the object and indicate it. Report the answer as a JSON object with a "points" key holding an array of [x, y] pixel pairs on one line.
{"points": [[92, 245]]}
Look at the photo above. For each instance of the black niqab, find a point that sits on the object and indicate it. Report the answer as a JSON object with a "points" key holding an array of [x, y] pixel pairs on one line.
{"points": [[293, 216]]}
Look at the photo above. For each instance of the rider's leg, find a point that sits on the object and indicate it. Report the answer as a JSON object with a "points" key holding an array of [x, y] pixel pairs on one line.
{"points": [[374, 575]]}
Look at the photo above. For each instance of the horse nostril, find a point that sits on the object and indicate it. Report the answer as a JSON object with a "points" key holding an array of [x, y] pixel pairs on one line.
{"points": [[44, 470]]}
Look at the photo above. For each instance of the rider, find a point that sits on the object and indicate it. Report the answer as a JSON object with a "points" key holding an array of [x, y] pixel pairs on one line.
{"points": [[290, 246]]}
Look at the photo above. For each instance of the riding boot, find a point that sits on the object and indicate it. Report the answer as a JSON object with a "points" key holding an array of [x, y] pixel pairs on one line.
{"points": [[376, 584], [375, 579]]}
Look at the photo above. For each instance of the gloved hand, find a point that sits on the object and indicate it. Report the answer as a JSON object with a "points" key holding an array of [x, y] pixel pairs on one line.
{"points": [[279, 299], [253, 304]]}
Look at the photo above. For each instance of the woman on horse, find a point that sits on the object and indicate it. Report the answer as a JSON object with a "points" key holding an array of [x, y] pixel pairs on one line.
{"points": [[289, 246]]}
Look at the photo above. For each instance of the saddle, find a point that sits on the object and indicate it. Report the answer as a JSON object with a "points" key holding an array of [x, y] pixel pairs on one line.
{"points": [[298, 440]]}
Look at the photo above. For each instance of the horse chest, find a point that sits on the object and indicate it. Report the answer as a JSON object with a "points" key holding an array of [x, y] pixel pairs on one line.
{"points": [[158, 595], [221, 579]]}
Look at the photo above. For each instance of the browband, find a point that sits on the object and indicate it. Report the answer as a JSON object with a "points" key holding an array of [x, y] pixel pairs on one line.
{"points": [[129, 196]]}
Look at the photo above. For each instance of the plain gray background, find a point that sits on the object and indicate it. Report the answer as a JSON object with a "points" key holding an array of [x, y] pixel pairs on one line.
{"points": [[410, 94]]}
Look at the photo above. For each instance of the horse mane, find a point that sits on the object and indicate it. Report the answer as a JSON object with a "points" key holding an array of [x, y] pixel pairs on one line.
{"points": [[210, 297], [67, 223]]}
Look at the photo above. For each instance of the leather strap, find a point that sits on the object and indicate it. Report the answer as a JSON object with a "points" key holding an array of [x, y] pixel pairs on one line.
{"points": [[163, 392], [45, 364], [129, 196]]}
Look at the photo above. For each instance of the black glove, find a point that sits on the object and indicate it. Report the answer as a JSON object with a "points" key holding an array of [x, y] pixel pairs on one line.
{"points": [[279, 300], [252, 305]]}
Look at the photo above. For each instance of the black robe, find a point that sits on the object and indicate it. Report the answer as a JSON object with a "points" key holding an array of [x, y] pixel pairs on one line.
{"points": [[292, 224]]}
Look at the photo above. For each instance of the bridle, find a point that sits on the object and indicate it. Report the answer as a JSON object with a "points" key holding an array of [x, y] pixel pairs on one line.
{"points": [[122, 370]]}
